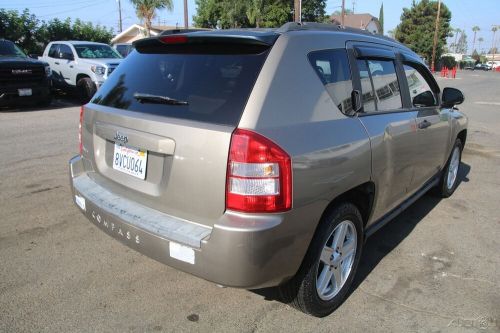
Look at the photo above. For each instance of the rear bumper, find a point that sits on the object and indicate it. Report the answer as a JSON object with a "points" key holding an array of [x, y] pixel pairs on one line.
{"points": [[240, 250]]}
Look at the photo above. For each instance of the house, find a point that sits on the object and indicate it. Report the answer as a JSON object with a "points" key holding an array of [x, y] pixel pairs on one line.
{"points": [[359, 21], [137, 31]]}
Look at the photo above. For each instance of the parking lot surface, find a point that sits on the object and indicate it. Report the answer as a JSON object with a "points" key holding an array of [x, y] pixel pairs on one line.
{"points": [[435, 268]]}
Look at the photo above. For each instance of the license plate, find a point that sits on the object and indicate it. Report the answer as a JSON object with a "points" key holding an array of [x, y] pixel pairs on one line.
{"points": [[24, 92], [130, 160]]}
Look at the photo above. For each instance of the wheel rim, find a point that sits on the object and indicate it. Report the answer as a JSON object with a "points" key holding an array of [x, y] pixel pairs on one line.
{"points": [[453, 168], [336, 260]]}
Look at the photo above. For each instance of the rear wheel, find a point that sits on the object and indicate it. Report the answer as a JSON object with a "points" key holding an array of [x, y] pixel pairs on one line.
{"points": [[449, 177], [330, 264], [85, 89]]}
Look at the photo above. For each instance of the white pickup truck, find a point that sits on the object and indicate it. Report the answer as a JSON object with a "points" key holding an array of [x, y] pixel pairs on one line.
{"points": [[81, 65]]}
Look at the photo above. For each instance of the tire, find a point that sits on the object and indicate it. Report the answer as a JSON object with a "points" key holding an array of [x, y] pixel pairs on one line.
{"points": [[85, 89], [449, 177], [305, 291]]}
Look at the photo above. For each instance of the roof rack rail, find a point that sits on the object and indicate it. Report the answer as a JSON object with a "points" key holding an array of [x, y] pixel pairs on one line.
{"points": [[314, 26]]}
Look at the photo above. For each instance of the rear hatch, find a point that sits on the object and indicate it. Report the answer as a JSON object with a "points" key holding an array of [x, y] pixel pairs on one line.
{"points": [[158, 131]]}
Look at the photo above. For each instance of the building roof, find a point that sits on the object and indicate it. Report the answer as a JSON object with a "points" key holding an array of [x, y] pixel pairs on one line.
{"points": [[359, 21], [135, 28]]}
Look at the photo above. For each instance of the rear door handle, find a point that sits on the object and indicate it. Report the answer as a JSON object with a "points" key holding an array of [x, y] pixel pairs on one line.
{"points": [[424, 124]]}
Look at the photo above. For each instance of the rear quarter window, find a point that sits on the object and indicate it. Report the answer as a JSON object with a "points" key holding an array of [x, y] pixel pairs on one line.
{"points": [[332, 68], [215, 86]]}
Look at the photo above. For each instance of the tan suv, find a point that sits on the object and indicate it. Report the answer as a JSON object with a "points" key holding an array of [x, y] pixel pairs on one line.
{"points": [[259, 158]]}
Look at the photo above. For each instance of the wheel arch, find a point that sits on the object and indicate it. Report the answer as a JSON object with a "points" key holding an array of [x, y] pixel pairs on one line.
{"points": [[81, 76], [462, 135], [362, 196]]}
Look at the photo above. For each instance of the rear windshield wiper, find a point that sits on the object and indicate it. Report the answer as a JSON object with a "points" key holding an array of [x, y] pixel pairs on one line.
{"points": [[158, 99]]}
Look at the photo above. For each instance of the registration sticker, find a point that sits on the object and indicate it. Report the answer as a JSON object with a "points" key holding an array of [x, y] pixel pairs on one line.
{"points": [[130, 160], [181, 252]]}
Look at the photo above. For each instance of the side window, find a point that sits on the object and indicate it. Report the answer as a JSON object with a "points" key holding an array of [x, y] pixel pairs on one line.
{"points": [[421, 93], [53, 51], [379, 84], [65, 50], [332, 68]]}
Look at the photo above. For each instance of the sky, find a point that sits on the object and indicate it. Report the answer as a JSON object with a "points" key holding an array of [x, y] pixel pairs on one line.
{"points": [[465, 13]]}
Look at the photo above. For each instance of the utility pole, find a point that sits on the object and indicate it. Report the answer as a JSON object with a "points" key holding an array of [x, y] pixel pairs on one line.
{"points": [[342, 13], [297, 4], [435, 36], [186, 23], [120, 27]]}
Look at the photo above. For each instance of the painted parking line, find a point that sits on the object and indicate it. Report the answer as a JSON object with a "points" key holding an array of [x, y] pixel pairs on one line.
{"points": [[488, 103]]}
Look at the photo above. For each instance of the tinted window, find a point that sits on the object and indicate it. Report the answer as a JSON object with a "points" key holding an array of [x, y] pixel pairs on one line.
{"points": [[381, 76], [419, 86], [216, 87], [95, 51], [53, 51], [66, 50], [9, 49], [332, 67]]}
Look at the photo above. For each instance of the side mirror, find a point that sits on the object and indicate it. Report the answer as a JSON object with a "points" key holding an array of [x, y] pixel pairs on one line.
{"points": [[424, 99], [451, 97], [356, 101]]}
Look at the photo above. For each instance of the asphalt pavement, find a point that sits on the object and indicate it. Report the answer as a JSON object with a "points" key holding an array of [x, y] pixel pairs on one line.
{"points": [[435, 268]]}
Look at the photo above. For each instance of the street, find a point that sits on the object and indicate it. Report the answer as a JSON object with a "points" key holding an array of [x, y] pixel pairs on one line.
{"points": [[435, 268]]}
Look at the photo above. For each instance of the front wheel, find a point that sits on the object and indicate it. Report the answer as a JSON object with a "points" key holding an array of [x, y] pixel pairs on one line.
{"points": [[328, 269], [449, 177], [86, 89]]}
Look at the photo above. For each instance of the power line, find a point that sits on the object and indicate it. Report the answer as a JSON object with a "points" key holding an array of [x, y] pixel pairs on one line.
{"points": [[71, 10], [62, 4]]}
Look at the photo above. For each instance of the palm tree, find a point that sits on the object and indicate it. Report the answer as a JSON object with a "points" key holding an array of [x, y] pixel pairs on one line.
{"points": [[480, 40], [475, 29], [146, 10]]}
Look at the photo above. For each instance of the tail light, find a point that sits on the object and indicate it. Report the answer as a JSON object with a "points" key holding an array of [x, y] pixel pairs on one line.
{"points": [[80, 131], [259, 175]]}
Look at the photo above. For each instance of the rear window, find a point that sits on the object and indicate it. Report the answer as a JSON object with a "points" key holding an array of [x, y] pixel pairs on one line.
{"points": [[213, 88]]}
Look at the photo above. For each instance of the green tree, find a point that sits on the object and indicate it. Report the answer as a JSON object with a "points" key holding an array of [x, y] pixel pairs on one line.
{"points": [[381, 19], [417, 27], [226, 14], [475, 29], [31, 34], [146, 10], [313, 10], [22, 28], [448, 61]]}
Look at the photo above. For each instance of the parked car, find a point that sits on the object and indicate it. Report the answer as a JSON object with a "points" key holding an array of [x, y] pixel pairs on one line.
{"points": [[123, 48], [469, 66], [23, 80], [493, 64], [265, 158], [80, 65], [483, 67]]}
